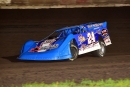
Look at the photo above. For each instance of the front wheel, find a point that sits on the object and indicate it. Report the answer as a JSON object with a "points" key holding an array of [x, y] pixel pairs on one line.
{"points": [[74, 52], [100, 52]]}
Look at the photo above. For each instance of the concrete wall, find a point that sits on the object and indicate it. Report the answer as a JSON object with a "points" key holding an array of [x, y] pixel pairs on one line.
{"points": [[62, 3], [5, 1], [68, 2]]}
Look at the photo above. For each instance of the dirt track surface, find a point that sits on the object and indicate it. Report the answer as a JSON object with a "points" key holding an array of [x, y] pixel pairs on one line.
{"points": [[18, 26]]}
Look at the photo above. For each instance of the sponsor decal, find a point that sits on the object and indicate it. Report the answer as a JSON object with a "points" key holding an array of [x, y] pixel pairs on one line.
{"points": [[94, 25], [104, 32], [49, 41], [84, 46], [107, 40], [45, 48], [35, 49], [81, 38], [45, 45]]}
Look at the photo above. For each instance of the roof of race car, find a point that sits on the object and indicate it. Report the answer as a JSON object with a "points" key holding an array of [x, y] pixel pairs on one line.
{"points": [[71, 27], [89, 25]]}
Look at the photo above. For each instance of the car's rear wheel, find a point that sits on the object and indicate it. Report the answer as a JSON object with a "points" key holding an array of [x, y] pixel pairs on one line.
{"points": [[74, 52], [100, 52]]}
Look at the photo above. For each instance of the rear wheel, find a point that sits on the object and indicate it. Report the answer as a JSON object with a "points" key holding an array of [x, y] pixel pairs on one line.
{"points": [[100, 52], [74, 52]]}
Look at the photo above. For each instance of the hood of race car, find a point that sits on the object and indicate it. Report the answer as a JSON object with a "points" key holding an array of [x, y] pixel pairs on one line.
{"points": [[48, 44]]}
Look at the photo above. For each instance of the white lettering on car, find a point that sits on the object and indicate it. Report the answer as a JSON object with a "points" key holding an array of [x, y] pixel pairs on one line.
{"points": [[91, 37]]}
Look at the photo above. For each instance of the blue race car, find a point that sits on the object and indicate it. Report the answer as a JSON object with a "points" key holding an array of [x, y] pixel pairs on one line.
{"points": [[68, 43]]}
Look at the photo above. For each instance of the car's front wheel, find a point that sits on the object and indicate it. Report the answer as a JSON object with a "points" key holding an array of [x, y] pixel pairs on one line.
{"points": [[74, 52], [100, 52]]}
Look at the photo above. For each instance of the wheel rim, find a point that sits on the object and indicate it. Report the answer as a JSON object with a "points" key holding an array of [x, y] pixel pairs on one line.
{"points": [[74, 53], [101, 51]]}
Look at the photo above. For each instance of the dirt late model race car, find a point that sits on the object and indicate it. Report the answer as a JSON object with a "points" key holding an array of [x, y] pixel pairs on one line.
{"points": [[68, 43]]}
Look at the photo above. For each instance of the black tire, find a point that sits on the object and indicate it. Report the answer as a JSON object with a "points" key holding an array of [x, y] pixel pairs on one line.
{"points": [[100, 52], [74, 52]]}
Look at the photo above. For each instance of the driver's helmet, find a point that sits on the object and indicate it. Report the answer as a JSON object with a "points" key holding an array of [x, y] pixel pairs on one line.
{"points": [[76, 31], [83, 29]]}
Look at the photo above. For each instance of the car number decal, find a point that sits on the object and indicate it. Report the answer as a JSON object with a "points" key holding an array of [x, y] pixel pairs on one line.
{"points": [[91, 37]]}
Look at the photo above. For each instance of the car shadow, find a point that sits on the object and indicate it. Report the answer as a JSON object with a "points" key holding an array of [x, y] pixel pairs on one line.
{"points": [[14, 58], [85, 55]]}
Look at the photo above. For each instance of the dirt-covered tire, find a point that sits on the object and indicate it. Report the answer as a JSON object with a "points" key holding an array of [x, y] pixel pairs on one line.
{"points": [[74, 52], [100, 52]]}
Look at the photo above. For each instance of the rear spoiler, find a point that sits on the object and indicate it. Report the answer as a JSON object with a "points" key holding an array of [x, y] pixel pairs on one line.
{"points": [[94, 24]]}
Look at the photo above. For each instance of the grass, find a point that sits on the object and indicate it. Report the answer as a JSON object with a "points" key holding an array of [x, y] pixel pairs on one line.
{"points": [[84, 83]]}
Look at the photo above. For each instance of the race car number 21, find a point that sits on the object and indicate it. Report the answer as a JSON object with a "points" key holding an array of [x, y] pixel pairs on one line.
{"points": [[91, 37]]}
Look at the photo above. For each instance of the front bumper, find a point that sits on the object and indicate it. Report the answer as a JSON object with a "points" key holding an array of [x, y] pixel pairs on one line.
{"points": [[39, 56]]}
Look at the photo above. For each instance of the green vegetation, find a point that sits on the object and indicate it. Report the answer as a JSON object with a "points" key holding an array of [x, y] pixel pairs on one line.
{"points": [[84, 83]]}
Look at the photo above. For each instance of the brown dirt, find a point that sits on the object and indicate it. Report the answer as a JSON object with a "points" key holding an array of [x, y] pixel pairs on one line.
{"points": [[18, 26]]}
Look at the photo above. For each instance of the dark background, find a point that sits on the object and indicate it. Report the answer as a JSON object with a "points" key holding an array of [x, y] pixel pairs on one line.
{"points": [[18, 26]]}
